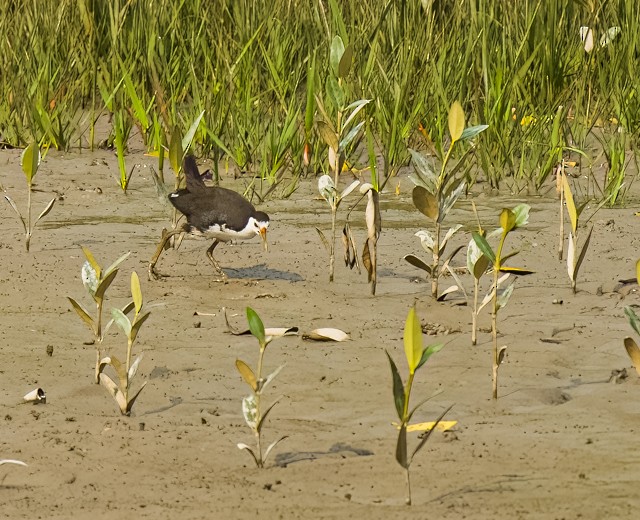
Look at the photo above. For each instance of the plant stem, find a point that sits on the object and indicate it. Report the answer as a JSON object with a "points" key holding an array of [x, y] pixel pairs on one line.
{"points": [[332, 249], [28, 232], [474, 314], [408, 480], [98, 340], [436, 263], [561, 242], [258, 393]]}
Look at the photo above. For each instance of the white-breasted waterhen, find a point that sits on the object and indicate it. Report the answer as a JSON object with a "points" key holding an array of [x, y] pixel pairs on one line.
{"points": [[212, 212]]}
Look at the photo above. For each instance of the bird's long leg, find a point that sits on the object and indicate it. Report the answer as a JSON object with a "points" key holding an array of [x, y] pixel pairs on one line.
{"points": [[152, 273], [213, 261]]}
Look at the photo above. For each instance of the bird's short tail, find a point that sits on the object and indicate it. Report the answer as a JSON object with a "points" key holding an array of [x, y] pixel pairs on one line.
{"points": [[192, 175]]}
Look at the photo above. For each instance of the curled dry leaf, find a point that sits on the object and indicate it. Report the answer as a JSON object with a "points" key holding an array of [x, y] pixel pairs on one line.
{"points": [[326, 334], [12, 461], [274, 332]]}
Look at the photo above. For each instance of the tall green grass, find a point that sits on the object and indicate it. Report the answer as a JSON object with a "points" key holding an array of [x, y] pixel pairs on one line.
{"points": [[157, 64]]}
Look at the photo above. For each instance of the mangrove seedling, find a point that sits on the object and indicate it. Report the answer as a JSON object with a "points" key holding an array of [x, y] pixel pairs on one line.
{"points": [[96, 281], [508, 222], [575, 255], [435, 194], [126, 371], [417, 355], [477, 265], [30, 163], [338, 135], [255, 414]]}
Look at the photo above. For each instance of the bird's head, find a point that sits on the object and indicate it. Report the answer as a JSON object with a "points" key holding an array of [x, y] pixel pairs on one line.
{"points": [[261, 223]]}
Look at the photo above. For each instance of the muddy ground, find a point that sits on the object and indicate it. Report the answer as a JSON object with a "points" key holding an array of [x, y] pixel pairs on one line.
{"points": [[560, 442]]}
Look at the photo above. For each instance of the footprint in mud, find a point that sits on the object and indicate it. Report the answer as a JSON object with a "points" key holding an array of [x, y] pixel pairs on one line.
{"points": [[340, 448], [551, 396]]}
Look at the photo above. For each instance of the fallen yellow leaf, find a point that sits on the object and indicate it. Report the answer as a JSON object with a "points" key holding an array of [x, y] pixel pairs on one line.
{"points": [[443, 426]]}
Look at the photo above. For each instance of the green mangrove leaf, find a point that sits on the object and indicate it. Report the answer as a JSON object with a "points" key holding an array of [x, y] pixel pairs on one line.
{"points": [[634, 353], [262, 419], [583, 252], [104, 284], [137, 323], [136, 292], [472, 131], [346, 141], [428, 352], [175, 151], [121, 321], [456, 121], [250, 411], [335, 92], [30, 161], [426, 176], [505, 294], [324, 240], [126, 310], [336, 53], [416, 262], [328, 134], [344, 65], [634, 320], [448, 201], [116, 264], [355, 107], [401, 447], [134, 398], [247, 374], [413, 340], [425, 202], [427, 434], [255, 325], [473, 255], [484, 247], [398, 388], [480, 267], [83, 314]]}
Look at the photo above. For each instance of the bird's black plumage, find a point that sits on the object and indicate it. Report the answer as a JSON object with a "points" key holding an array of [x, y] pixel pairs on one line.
{"points": [[212, 212], [206, 206]]}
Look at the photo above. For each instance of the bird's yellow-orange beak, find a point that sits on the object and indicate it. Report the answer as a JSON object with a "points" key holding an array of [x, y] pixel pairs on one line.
{"points": [[263, 235]]}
